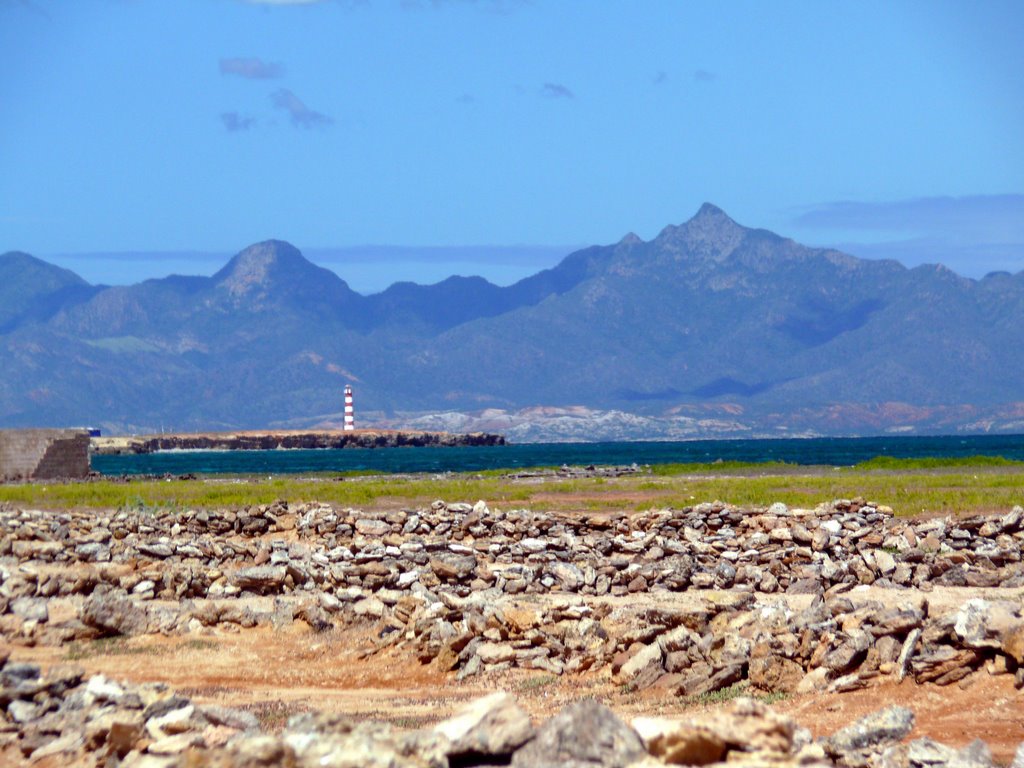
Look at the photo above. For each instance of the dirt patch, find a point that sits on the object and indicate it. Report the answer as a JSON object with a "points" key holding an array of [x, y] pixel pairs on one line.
{"points": [[276, 674]]}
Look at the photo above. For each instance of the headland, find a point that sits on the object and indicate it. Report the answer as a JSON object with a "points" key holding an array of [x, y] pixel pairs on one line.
{"points": [[265, 440]]}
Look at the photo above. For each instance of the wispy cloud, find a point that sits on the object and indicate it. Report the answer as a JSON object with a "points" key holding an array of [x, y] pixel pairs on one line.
{"points": [[301, 115], [251, 68], [979, 213], [234, 122], [704, 76], [973, 234], [557, 91]]}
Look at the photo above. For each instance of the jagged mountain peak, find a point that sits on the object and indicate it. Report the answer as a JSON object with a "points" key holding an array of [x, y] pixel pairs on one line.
{"points": [[711, 233], [711, 211]]}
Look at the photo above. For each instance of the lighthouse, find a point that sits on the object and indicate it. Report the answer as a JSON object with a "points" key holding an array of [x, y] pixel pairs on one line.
{"points": [[350, 415]]}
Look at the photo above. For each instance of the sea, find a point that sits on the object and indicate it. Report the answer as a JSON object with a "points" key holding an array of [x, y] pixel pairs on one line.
{"points": [[835, 451]]}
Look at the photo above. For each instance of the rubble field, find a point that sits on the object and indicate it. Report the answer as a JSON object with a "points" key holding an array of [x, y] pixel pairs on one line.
{"points": [[460, 634]]}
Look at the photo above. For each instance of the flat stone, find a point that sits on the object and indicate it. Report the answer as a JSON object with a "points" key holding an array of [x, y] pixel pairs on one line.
{"points": [[884, 562], [449, 566], [492, 726], [369, 527], [100, 689], [887, 725], [983, 623], [699, 684], [157, 549], [69, 742], [680, 743], [495, 653], [175, 745], [260, 578], [174, 722], [237, 719], [647, 656], [21, 711]]}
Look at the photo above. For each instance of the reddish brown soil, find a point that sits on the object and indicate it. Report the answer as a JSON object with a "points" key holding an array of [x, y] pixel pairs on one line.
{"points": [[276, 674]]}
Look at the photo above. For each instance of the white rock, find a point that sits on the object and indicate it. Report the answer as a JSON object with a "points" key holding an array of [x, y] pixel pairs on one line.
{"points": [[174, 722]]}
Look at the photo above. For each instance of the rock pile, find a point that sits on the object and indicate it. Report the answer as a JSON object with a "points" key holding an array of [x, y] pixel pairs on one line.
{"points": [[567, 472], [477, 590], [834, 645], [73, 720]]}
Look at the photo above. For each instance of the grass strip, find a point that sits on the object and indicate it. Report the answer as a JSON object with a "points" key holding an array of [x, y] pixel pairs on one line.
{"points": [[909, 488]]}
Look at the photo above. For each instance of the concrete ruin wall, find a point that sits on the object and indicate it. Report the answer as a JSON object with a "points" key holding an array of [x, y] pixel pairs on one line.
{"points": [[41, 454]]}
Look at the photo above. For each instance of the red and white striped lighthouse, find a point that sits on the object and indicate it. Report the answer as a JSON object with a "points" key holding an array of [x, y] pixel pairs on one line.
{"points": [[350, 414]]}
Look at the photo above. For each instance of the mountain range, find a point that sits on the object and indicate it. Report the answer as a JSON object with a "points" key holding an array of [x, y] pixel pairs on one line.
{"points": [[709, 329]]}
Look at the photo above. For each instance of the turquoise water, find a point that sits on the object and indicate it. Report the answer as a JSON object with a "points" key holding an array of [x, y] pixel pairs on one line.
{"points": [[835, 451]]}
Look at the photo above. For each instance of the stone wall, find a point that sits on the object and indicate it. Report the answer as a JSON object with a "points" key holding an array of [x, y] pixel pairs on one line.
{"points": [[40, 454]]}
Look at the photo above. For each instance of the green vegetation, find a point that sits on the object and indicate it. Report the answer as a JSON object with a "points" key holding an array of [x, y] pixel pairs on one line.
{"points": [[120, 646], [197, 645], [763, 467], [107, 646], [541, 681], [735, 691], [408, 722], [156, 495], [933, 462], [910, 486]]}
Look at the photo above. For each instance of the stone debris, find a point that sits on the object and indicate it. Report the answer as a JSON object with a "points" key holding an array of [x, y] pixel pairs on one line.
{"points": [[78, 721], [476, 590], [566, 472], [855, 744]]}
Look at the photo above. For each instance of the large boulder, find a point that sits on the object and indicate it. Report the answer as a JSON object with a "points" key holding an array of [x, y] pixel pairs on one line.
{"points": [[985, 623], [585, 734], [448, 566], [112, 614], [886, 726]]}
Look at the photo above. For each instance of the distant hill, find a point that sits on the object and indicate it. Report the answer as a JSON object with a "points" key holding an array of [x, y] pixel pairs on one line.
{"points": [[709, 328], [32, 290]]}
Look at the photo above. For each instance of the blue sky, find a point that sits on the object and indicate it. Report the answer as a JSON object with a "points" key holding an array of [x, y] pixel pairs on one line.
{"points": [[142, 137]]}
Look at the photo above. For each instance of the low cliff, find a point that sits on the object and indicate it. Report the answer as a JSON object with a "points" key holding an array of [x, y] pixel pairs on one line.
{"points": [[272, 440]]}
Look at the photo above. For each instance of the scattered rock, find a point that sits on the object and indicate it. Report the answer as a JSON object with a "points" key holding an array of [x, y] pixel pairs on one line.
{"points": [[585, 734]]}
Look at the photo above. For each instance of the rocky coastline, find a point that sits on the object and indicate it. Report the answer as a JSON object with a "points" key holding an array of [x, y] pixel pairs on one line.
{"points": [[268, 440]]}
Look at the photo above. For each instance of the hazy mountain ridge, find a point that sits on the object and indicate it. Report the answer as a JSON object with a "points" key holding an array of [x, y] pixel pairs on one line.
{"points": [[706, 313]]}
